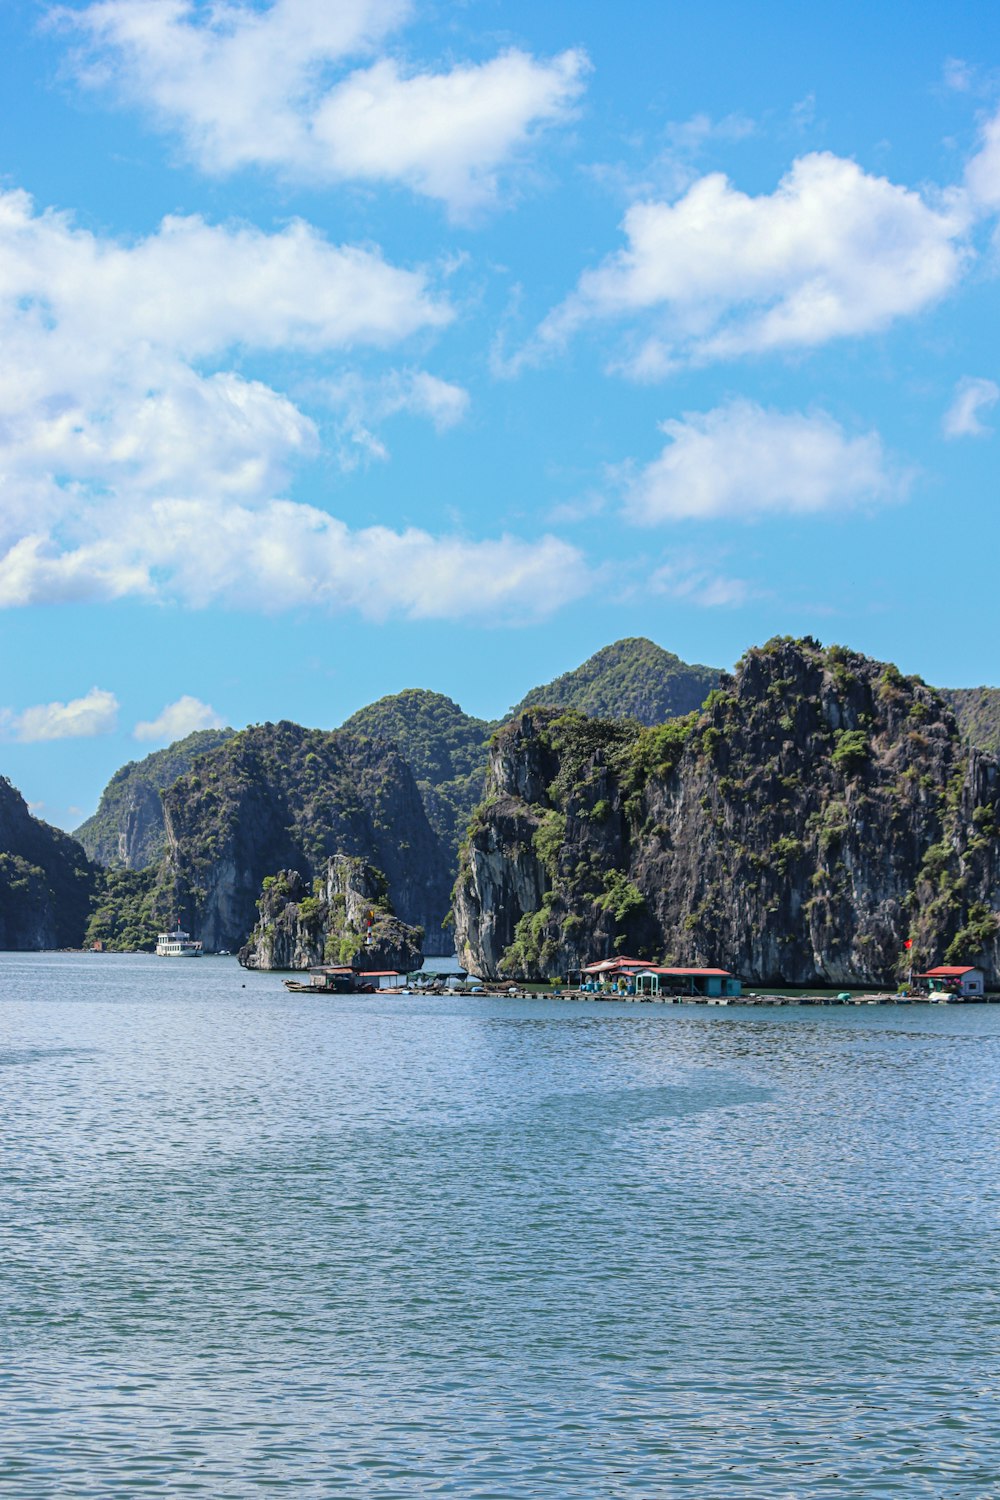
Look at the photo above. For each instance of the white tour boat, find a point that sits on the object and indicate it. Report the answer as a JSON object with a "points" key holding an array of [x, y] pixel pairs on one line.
{"points": [[177, 944]]}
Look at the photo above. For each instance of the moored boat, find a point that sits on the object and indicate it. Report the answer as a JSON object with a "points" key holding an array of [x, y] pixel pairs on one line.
{"points": [[177, 944]]}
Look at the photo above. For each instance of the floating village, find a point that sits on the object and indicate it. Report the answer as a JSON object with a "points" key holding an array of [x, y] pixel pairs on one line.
{"points": [[636, 980]]}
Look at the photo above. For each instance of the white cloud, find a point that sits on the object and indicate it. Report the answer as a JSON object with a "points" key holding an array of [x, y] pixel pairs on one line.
{"points": [[81, 718], [444, 135], [363, 404], [744, 461], [258, 85], [982, 173], [832, 252], [283, 554], [687, 580], [178, 720], [133, 468], [98, 384], [972, 396]]}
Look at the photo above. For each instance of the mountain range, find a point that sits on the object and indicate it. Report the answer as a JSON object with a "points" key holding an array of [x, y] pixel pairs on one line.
{"points": [[410, 785]]}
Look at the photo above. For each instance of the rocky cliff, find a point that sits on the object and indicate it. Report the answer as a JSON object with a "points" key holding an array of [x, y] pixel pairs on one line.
{"points": [[344, 917], [126, 832], [819, 811], [280, 797], [46, 880]]}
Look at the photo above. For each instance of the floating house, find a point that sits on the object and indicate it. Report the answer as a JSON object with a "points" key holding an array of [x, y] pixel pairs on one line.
{"points": [[966, 982], [636, 976], [439, 970], [339, 978], [382, 979]]}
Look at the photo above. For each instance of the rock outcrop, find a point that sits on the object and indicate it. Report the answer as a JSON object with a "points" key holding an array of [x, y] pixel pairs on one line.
{"points": [[280, 797], [344, 918], [46, 880], [821, 810]]}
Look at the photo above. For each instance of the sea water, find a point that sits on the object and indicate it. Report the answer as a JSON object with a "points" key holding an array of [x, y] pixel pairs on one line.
{"points": [[254, 1242]]}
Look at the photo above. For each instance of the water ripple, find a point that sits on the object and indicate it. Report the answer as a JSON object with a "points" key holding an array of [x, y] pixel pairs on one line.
{"points": [[254, 1243]]}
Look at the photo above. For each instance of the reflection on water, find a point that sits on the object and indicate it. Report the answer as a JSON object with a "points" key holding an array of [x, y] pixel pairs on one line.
{"points": [[254, 1242]]}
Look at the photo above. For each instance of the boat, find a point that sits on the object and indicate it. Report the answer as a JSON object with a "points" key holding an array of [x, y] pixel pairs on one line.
{"points": [[177, 944]]}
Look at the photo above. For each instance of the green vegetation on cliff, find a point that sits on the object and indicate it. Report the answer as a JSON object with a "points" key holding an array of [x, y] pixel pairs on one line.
{"points": [[818, 812], [300, 925], [631, 679], [445, 749], [126, 831]]}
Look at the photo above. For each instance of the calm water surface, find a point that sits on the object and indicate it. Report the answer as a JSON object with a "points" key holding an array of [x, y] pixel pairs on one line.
{"points": [[252, 1242]]}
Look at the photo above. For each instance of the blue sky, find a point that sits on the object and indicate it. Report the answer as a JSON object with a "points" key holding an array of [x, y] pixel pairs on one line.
{"points": [[355, 347]]}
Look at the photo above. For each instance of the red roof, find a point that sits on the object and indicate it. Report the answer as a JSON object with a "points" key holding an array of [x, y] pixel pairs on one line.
{"points": [[717, 973], [380, 974], [947, 971], [614, 963], [611, 966]]}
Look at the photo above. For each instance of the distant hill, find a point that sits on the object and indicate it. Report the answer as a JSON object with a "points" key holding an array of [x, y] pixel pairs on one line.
{"points": [[126, 831], [632, 679], [444, 747], [978, 713]]}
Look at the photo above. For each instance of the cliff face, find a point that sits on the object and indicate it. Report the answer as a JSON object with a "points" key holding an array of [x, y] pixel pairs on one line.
{"points": [[279, 797], [301, 925], [46, 880], [820, 811], [126, 832]]}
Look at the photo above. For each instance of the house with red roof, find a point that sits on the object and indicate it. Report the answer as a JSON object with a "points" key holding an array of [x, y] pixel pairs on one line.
{"points": [[963, 980], [637, 976]]}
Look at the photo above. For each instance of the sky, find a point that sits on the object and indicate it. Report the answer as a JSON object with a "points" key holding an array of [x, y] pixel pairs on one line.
{"points": [[381, 344]]}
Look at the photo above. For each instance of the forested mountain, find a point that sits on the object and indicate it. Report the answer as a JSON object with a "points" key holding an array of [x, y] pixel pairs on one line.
{"points": [[126, 831], [814, 812], [445, 747], [819, 812], [631, 679]]}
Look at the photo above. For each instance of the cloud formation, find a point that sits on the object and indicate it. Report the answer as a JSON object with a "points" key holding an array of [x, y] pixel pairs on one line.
{"points": [[132, 468], [107, 380], [81, 718], [689, 581], [982, 174], [281, 85], [745, 462], [177, 720], [283, 554], [362, 404], [972, 396], [832, 252]]}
